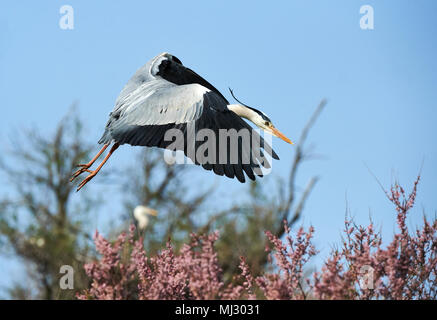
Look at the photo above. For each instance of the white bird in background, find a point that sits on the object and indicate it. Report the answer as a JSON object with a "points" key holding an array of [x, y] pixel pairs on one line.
{"points": [[141, 214]]}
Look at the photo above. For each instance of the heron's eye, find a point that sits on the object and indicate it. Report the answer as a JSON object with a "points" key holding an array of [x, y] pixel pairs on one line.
{"points": [[267, 123]]}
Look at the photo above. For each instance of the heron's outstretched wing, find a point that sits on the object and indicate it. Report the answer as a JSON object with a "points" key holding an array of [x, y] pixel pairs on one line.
{"points": [[162, 91], [174, 97], [212, 114], [159, 71]]}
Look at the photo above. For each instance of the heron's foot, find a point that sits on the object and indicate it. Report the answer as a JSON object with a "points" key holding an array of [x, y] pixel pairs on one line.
{"points": [[87, 179], [84, 168]]}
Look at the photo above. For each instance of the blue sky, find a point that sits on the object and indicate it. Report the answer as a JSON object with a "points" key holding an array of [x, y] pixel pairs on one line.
{"points": [[282, 57]]}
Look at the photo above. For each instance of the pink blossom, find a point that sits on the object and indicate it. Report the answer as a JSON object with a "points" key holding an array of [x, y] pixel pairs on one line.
{"points": [[405, 269]]}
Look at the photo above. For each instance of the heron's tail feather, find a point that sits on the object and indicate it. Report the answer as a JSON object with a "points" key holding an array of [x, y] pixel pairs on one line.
{"points": [[106, 137]]}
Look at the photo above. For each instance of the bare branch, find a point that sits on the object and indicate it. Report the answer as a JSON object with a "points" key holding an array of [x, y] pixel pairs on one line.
{"points": [[299, 208], [299, 157]]}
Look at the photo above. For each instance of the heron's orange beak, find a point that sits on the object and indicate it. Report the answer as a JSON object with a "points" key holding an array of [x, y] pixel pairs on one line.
{"points": [[280, 135]]}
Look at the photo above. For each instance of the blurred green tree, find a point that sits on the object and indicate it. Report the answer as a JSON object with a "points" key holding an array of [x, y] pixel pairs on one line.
{"points": [[45, 227], [39, 221]]}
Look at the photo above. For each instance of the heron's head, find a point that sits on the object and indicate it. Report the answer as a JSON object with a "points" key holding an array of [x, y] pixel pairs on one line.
{"points": [[257, 117], [263, 122], [141, 214]]}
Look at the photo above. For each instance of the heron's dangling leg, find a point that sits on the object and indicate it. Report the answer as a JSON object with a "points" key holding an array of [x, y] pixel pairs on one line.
{"points": [[93, 173], [84, 167]]}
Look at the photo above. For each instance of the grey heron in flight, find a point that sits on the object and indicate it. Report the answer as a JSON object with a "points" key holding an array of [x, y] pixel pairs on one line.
{"points": [[164, 94]]}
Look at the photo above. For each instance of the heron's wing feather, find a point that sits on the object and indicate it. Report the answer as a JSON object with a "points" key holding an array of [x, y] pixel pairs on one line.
{"points": [[162, 91], [243, 154], [160, 102], [179, 74]]}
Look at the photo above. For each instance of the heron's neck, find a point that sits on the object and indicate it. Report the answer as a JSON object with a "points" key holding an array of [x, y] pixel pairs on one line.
{"points": [[243, 111]]}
